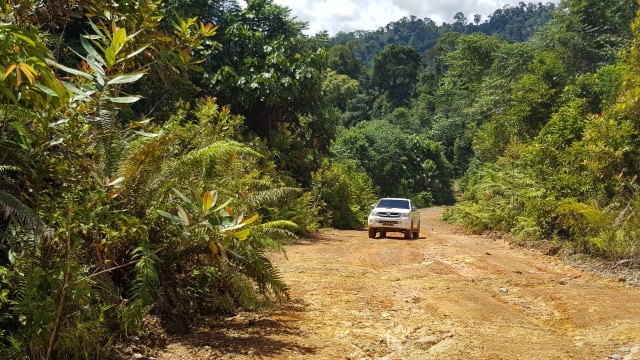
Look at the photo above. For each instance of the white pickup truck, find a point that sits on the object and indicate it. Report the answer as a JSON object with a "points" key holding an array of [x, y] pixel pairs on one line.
{"points": [[394, 215]]}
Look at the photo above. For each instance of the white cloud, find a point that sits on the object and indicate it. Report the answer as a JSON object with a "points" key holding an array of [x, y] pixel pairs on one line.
{"points": [[349, 15]]}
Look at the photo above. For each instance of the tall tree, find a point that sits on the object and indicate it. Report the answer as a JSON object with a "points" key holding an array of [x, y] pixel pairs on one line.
{"points": [[395, 73], [271, 73]]}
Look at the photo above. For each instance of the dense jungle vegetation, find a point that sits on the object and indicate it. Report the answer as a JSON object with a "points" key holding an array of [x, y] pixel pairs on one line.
{"points": [[154, 152]]}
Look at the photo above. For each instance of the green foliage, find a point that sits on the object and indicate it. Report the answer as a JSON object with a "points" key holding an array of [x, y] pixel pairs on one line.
{"points": [[213, 257], [272, 74], [566, 170], [398, 164], [102, 226], [510, 23], [395, 73], [343, 60], [588, 34], [345, 193], [212, 230], [26, 78]]}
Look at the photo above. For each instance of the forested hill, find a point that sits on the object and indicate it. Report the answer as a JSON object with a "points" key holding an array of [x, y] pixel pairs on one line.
{"points": [[511, 23]]}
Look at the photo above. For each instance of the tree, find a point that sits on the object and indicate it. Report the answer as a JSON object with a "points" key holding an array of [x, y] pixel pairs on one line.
{"points": [[588, 34], [477, 18], [268, 71], [460, 18], [395, 73], [399, 164], [344, 62]]}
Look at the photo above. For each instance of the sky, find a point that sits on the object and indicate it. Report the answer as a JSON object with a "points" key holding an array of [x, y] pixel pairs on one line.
{"points": [[349, 15]]}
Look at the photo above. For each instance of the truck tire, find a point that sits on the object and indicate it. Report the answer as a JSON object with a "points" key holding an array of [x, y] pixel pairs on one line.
{"points": [[372, 233], [416, 233], [408, 234]]}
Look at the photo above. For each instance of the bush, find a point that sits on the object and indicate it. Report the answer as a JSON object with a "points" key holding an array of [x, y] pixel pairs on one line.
{"points": [[345, 194]]}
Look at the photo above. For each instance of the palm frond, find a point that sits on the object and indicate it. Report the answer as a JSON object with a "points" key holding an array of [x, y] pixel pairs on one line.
{"points": [[256, 266], [277, 229], [274, 196]]}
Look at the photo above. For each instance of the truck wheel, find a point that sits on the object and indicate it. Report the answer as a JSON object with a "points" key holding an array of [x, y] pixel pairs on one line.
{"points": [[383, 234], [372, 233], [416, 233], [408, 234]]}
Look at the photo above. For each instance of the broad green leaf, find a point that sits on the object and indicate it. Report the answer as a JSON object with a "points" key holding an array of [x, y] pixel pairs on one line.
{"points": [[223, 206], [129, 56], [97, 67], [24, 38], [185, 201], [46, 90], [99, 81], [125, 79], [233, 227], [124, 99], [110, 57], [89, 49], [181, 196], [242, 234], [169, 217], [119, 38], [93, 64], [70, 70], [99, 35], [8, 94]]}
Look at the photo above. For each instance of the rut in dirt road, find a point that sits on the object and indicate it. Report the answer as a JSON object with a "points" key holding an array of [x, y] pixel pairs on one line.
{"points": [[445, 295]]}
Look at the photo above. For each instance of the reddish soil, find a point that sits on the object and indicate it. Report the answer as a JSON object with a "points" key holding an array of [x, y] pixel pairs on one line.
{"points": [[445, 295]]}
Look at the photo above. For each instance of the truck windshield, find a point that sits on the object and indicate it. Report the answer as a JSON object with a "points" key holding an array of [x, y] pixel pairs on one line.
{"points": [[393, 203]]}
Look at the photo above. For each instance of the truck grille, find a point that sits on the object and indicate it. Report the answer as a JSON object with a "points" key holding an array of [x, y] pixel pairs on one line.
{"points": [[389, 214]]}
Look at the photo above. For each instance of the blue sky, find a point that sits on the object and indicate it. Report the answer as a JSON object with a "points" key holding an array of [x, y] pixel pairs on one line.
{"points": [[350, 15]]}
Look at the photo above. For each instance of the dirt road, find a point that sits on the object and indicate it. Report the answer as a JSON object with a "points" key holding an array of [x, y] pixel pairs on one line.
{"points": [[445, 295]]}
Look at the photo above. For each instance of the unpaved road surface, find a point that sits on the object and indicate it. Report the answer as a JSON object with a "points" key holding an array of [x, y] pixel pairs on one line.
{"points": [[445, 295]]}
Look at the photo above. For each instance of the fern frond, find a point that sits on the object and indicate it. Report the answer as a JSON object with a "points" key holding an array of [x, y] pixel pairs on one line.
{"points": [[143, 288], [147, 279], [220, 149], [277, 224], [7, 168], [277, 229], [20, 129], [13, 207], [256, 266], [272, 197], [242, 290]]}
